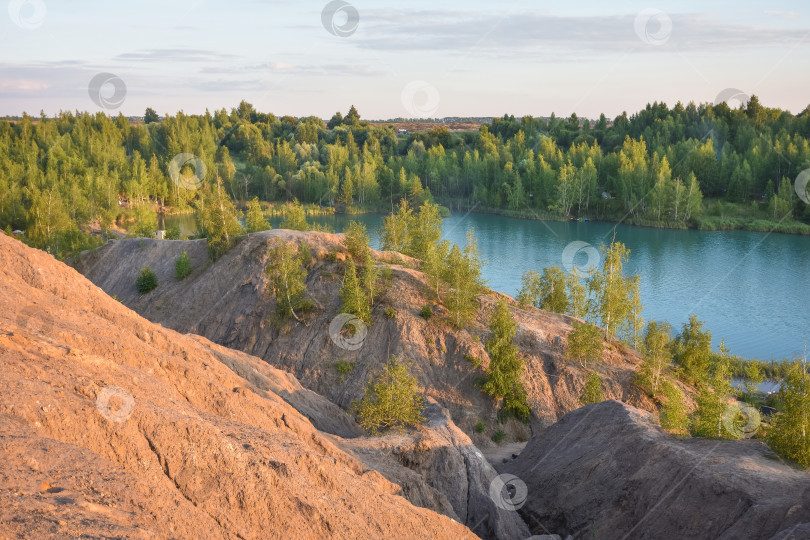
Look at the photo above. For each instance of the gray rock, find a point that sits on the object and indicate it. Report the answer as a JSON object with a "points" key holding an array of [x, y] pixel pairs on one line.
{"points": [[608, 469]]}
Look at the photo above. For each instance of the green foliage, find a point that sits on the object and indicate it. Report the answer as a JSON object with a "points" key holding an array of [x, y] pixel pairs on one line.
{"points": [[352, 295], [480, 426], [344, 368], [395, 231], [592, 391], [789, 434], [714, 392], [506, 368], [426, 312], [498, 436], [295, 217], [673, 413], [391, 401], [474, 360], [218, 220], [425, 232], [146, 280], [356, 240], [577, 296], [254, 219], [615, 297], [547, 292], [172, 233], [754, 375], [150, 116], [390, 312], [71, 170], [286, 275], [305, 254], [369, 275], [462, 273], [584, 344], [182, 266], [692, 349], [145, 222], [657, 356]]}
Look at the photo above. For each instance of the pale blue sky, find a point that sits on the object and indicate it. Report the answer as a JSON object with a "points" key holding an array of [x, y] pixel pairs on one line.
{"points": [[478, 58]]}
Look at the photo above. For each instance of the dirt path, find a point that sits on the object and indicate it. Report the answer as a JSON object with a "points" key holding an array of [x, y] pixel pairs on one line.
{"points": [[496, 455]]}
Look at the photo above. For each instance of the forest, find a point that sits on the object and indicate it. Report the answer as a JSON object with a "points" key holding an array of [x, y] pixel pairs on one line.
{"points": [[701, 166]]}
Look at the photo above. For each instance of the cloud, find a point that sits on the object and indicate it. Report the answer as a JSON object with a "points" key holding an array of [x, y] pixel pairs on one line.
{"points": [[539, 34], [782, 14], [176, 55], [23, 85], [284, 68]]}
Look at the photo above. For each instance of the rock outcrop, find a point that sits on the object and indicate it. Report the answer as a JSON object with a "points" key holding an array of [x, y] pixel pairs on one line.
{"points": [[607, 471], [227, 302], [111, 426]]}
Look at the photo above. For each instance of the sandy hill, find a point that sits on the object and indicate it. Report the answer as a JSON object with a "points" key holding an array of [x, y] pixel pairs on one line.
{"points": [[227, 302], [112, 426]]}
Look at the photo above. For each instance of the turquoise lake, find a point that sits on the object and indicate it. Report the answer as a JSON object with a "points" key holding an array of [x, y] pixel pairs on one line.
{"points": [[752, 289]]}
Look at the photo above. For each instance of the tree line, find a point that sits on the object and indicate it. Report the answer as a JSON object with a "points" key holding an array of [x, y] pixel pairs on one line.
{"points": [[653, 167]]}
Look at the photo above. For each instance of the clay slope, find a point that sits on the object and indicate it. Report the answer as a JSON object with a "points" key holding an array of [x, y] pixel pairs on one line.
{"points": [[607, 471], [111, 426], [227, 303]]}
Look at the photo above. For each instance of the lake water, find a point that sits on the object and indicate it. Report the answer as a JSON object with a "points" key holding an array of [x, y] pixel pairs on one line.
{"points": [[753, 289]]}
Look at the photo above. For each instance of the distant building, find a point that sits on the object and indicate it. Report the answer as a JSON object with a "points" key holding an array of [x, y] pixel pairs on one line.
{"points": [[402, 131]]}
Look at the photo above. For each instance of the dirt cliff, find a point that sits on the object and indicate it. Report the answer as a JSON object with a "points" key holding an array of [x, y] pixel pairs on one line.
{"points": [[607, 471], [226, 302], [111, 426]]}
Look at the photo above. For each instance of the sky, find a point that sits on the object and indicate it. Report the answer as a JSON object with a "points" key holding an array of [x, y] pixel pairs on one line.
{"points": [[416, 60]]}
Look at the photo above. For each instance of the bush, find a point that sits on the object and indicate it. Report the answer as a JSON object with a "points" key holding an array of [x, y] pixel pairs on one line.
{"points": [[344, 368], [592, 393], [295, 217], [474, 360], [499, 436], [146, 281], [390, 313], [506, 366], [480, 426], [182, 266], [356, 240], [426, 313], [172, 233], [584, 344], [391, 401], [673, 414]]}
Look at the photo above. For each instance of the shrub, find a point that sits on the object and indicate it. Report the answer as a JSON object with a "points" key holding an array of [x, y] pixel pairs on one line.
{"points": [[344, 368], [356, 240], [172, 233], [480, 426], [584, 344], [390, 313], [182, 266], [474, 360], [295, 217], [146, 281], [287, 280], [499, 436], [673, 412], [391, 401], [426, 312], [506, 367], [592, 393]]}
